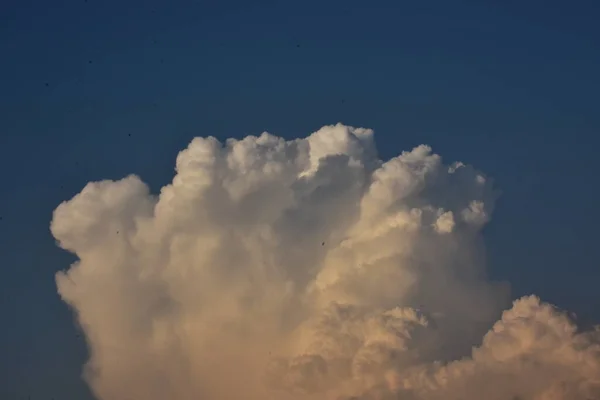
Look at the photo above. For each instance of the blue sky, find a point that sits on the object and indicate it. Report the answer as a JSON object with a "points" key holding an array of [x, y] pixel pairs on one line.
{"points": [[92, 90]]}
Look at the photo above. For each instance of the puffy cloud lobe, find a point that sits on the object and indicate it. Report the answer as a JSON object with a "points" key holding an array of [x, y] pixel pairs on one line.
{"points": [[307, 269], [533, 352]]}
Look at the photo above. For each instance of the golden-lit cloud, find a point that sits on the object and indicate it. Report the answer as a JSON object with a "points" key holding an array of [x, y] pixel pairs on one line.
{"points": [[307, 269]]}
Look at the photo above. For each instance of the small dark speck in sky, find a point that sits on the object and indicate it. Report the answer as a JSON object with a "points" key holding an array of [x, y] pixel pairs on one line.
{"points": [[298, 46], [129, 134], [90, 61], [47, 84]]}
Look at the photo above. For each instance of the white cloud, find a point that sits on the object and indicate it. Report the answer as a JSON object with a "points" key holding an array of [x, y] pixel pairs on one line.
{"points": [[307, 269]]}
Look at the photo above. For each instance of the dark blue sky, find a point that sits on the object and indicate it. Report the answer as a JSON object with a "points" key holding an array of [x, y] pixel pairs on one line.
{"points": [[99, 89]]}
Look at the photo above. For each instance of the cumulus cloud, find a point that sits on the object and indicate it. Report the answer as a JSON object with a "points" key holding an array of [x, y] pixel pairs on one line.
{"points": [[307, 269]]}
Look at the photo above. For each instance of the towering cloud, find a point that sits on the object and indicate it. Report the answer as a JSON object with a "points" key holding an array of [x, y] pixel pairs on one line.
{"points": [[307, 269]]}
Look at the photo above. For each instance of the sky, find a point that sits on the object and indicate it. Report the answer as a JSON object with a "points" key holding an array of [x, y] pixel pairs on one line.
{"points": [[95, 90]]}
